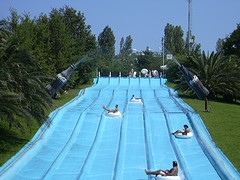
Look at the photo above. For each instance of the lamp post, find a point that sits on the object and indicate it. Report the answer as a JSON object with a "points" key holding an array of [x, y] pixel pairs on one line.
{"points": [[163, 54], [189, 35]]}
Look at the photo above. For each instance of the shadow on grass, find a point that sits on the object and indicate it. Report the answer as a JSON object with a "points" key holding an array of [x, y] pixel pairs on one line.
{"points": [[221, 100], [9, 139]]}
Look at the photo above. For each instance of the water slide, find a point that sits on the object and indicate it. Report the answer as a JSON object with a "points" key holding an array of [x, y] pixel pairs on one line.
{"points": [[78, 140]]}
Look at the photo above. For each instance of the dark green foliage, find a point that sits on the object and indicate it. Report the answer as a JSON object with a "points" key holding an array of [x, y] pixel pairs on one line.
{"points": [[219, 74], [148, 60], [22, 92], [231, 46], [106, 48], [126, 47], [34, 50], [173, 39], [87, 70], [124, 61], [106, 43]]}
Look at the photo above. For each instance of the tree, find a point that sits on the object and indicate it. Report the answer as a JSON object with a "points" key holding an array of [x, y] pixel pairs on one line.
{"points": [[33, 49], [231, 46], [80, 32], [106, 48], [126, 47], [121, 44], [173, 39], [145, 60], [42, 45], [219, 45], [84, 45], [22, 91], [218, 73], [125, 60], [61, 41], [106, 43]]}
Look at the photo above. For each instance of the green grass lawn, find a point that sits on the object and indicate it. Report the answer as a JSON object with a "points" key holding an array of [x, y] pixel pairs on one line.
{"points": [[222, 123], [12, 140]]}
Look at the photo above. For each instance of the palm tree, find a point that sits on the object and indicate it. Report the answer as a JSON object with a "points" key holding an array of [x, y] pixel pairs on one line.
{"points": [[219, 74], [22, 93]]}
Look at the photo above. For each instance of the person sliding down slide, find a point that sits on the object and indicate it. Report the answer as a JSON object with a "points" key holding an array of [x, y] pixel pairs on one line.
{"points": [[172, 172], [185, 131], [109, 110], [133, 99]]}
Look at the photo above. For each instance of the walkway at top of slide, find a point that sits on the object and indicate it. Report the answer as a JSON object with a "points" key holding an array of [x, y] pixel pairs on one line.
{"points": [[79, 141]]}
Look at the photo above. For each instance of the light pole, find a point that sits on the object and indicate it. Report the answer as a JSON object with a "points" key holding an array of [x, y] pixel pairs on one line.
{"points": [[163, 54], [189, 35]]}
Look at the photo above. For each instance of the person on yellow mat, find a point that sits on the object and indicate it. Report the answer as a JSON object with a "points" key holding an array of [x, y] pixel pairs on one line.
{"points": [[113, 110]]}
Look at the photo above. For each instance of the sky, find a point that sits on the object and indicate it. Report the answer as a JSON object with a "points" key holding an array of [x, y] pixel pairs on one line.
{"points": [[144, 20]]}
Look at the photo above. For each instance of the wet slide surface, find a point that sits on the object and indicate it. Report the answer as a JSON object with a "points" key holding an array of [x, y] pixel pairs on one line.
{"points": [[80, 142]]}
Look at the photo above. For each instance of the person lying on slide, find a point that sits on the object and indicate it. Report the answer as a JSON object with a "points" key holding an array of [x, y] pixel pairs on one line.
{"points": [[172, 172], [113, 110], [133, 98], [184, 131]]}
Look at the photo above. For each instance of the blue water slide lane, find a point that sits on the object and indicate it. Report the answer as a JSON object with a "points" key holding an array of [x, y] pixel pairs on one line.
{"points": [[96, 140], [160, 153], [78, 140]]}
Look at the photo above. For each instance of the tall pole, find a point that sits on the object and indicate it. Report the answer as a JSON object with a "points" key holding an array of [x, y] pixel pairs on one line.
{"points": [[163, 54], [189, 36]]}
